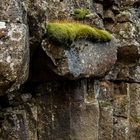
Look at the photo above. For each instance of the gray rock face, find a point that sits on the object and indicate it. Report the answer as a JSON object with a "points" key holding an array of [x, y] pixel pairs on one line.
{"points": [[51, 108], [127, 65], [14, 56], [82, 58], [127, 32], [13, 11], [82, 110]]}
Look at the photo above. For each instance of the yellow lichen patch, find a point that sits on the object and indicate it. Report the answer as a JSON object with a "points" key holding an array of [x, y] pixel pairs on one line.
{"points": [[65, 32]]}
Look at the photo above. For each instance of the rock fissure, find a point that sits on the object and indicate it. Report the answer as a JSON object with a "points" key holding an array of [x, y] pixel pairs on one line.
{"points": [[85, 91]]}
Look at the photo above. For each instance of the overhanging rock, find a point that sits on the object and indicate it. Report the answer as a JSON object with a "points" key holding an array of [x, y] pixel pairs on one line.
{"points": [[82, 58]]}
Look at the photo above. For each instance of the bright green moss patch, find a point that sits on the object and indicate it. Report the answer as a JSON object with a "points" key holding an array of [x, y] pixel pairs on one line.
{"points": [[68, 32], [80, 13]]}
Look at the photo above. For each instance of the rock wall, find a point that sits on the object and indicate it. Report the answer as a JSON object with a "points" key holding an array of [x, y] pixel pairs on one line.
{"points": [[89, 91]]}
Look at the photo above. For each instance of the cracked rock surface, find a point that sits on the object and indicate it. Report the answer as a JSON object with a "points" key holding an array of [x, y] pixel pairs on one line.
{"points": [[86, 91]]}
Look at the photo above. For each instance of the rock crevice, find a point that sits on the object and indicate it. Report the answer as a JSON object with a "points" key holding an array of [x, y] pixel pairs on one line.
{"points": [[84, 91]]}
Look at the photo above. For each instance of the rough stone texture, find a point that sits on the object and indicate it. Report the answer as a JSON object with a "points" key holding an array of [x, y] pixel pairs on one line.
{"points": [[20, 123], [127, 32], [13, 11], [60, 114], [127, 65], [49, 107], [37, 14], [134, 119], [82, 58], [84, 109], [14, 49], [14, 56]]}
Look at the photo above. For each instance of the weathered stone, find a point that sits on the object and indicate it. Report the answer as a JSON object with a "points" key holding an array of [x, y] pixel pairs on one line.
{"points": [[86, 109], [127, 65], [83, 124], [59, 114], [104, 95], [120, 103], [134, 112], [14, 56], [82, 58], [127, 2], [19, 123], [94, 20], [124, 16], [37, 15], [109, 16], [120, 112], [3, 32], [120, 129], [124, 32], [12, 11], [99, 9], [68, 117], [121, 3], [115, 9]]}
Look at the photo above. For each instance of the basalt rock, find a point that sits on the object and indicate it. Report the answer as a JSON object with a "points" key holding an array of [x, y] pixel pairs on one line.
{"points": [[14, 56], [13, 11], [82, 58], [51, 107]]}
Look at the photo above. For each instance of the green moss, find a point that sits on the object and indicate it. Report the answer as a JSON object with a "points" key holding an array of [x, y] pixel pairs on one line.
{"points": [[80, 13], [68, 32]]}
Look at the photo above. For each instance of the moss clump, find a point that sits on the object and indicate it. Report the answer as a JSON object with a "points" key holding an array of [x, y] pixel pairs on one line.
{"points": [[68, 32], [80, 14]]}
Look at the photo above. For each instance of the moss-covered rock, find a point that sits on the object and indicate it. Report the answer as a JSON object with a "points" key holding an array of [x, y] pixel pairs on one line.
{"points": [[68, 32], [80, 14]]}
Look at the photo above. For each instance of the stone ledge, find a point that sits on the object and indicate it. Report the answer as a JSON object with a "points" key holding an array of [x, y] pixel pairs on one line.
{"points": [[82, 58]]}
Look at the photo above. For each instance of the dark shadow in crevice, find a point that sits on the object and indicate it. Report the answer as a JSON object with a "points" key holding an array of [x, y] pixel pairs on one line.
{"points": [[108, 20], [128, 55], [106, 4], [39, 68], [4, 102], [136, 4]]}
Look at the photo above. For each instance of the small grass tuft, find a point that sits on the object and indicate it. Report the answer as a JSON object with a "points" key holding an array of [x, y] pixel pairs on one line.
{"points": [[67, 32], [80, 14]]}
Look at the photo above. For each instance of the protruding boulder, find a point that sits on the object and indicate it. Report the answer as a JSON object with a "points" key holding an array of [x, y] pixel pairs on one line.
{"points": [[82, 58]]}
